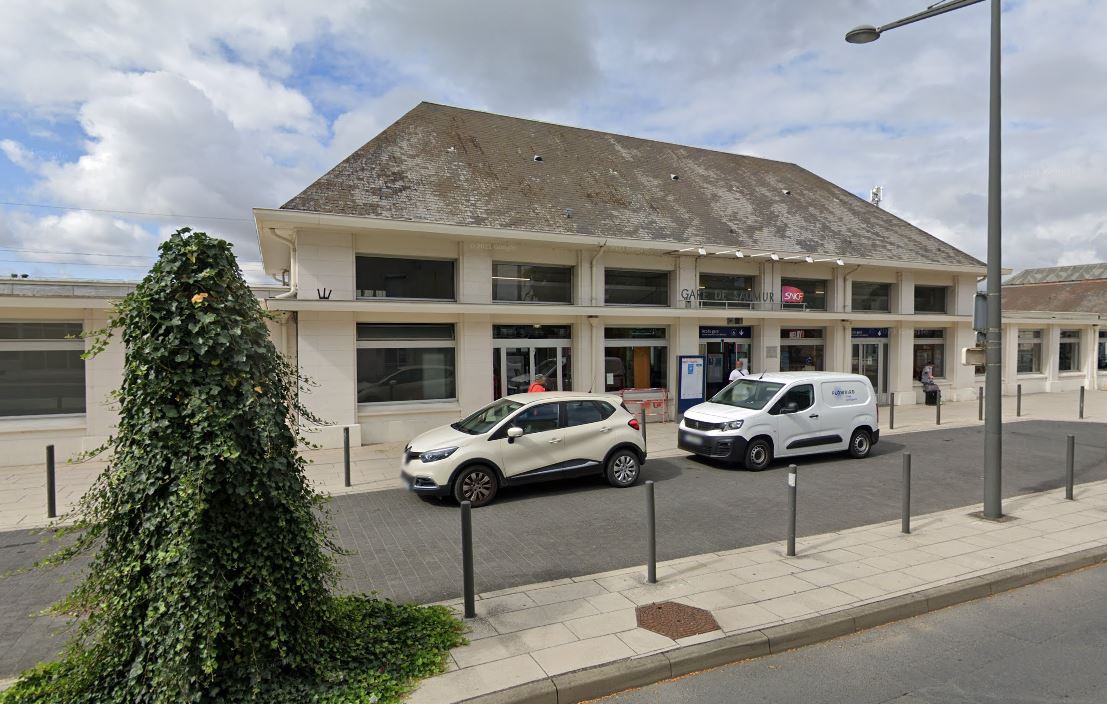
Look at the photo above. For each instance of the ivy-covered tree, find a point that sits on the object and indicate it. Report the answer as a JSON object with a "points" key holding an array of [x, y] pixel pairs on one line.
{"points": [[211, 568]]}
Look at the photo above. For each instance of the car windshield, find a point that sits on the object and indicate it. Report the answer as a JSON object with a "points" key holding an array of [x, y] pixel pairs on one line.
{"points": [[483, 420], [748, 393]]}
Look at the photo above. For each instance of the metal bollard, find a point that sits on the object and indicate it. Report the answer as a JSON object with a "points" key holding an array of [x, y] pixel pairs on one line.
{"points": [[467, 559], [791, 510], [346, 456], [51, 500], [892, 411], [651, 536], [1081, 402], [1018, 401], [905, 521], [980, 403], [1070, 455], [938, 410]]}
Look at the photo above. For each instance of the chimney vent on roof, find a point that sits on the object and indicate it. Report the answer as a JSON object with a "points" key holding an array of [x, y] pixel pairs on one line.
{"points": [[674, 177], [786, 192], [568, 212], [538, 157]]}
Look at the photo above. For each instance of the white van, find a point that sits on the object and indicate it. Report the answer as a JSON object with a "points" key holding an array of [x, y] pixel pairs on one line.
{"points": [[783, 414]]}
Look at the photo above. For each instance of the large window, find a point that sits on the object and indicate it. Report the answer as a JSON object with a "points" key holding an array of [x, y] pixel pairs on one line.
{"points": [[930, 299], [1102, 357], [528, 283], [726, 291], [805, 294], [801, 350], [930, 348], [872, 297], [1029, 356], [394, 277], [627, 287], [635, 358], [1068, 354], [399, 363], [41, 372]]}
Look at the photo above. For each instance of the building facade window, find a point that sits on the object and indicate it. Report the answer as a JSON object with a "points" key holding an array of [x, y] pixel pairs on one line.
{"points": [[41, 372], [931, 299], [404, 363], [629, 287], [397, 277], [805, 294], [802, 350], [930, 348], [1101, 363], [871, 297], [521, 352], [726, 291], [1068, 352], [635, 358], [531, 283], [1029, 355]]}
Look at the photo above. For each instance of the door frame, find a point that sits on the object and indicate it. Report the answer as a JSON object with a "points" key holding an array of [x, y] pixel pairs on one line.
{"points": [[882, 349], [500, 346]]}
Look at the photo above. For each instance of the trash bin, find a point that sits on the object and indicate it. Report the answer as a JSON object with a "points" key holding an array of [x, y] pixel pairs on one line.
{"points": [[932, 396]]}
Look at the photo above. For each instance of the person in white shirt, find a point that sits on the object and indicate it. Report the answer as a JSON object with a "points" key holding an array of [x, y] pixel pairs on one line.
{"points": [[739, 370]]}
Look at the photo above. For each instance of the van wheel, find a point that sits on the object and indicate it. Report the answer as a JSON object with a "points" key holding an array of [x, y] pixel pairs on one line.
{"points": [[860, 443], [622, 469], [759, 454], [477, 485]]}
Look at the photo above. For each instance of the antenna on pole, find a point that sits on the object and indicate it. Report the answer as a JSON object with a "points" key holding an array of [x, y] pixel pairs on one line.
{"points": [[876, 195]]}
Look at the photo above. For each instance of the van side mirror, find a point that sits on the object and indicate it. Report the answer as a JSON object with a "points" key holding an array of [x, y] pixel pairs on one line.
{"points": [[514, 432]]}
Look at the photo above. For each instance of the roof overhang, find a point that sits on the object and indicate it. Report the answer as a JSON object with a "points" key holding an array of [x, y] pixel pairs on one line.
{"points": [[276, 256]]}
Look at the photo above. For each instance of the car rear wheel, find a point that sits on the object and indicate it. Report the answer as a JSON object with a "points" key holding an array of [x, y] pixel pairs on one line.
{"points": [[758, 454], [860, 443], [623, 468], [477, 485]]}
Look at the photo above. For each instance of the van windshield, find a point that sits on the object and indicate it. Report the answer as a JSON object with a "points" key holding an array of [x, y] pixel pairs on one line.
{"points": [[748, 393], [483, 420]]}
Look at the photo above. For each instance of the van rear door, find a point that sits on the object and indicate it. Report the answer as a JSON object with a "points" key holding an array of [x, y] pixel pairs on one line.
{"points": [[846, 404]]}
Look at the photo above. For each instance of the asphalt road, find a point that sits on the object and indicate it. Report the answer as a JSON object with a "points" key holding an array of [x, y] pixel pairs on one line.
{"points": [[1042, 643], [408, 549]]}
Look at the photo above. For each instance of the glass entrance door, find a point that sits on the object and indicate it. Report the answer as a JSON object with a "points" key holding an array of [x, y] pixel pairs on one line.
{"points": [[869, 359], [514, 368]]}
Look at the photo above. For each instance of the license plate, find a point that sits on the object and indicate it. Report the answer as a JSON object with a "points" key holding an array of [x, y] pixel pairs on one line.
{"points": [[693, 439]]}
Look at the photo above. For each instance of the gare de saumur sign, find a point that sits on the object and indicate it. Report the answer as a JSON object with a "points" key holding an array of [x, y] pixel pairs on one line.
{"points": [[788, 294]]}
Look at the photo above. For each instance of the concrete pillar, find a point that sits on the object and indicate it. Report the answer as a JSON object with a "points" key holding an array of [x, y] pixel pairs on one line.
{"points": [[474, 355], [963, 377], [326, 350], [1010, 359], [767, 346], [903, 294], [474, 274], [900, 354], [1051, 344], [1089, 343]]}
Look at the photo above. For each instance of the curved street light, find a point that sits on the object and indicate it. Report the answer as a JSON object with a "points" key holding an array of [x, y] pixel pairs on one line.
{"points": [[993, 399]]}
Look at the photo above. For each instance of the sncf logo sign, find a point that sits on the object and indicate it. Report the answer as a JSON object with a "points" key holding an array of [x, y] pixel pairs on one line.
{"points": [[791, 294]]}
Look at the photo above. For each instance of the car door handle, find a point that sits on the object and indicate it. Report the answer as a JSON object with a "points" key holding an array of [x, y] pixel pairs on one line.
{"points": [[813, 415], [554, 441], [604, 430]]}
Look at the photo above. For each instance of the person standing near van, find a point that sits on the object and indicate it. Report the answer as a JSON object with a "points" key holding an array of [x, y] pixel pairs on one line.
{"points": [[739, 370], [539, 384]]}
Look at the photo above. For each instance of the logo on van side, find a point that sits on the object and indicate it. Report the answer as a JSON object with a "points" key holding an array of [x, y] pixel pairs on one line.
{"points": [[844, 394]]}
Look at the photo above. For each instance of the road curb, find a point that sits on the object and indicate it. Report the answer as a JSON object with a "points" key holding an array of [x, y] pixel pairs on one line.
{"points": [[609, 678]]}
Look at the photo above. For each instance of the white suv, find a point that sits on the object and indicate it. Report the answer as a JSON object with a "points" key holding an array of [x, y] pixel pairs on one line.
{"points": [[525, 438]]}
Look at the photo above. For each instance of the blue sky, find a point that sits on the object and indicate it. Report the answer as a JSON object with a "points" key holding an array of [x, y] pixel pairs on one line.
{"points": [[194, 113]]}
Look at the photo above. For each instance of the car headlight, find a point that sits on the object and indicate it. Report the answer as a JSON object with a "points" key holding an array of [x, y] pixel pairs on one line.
{"points": [[732, 425], [435, 455]]}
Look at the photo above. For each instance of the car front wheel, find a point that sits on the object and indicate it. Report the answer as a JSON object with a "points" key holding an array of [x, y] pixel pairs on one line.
{"points": [[860, 443], [477, 485], [623, 468], [758, 454]]}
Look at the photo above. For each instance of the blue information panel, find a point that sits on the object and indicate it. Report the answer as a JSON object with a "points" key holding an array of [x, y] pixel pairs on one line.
{"points": [[870, 333], [726, 332], [690, 381]]}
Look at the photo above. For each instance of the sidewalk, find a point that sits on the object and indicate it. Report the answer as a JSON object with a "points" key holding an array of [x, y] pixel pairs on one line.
{"points": [[576, 639], [376, 467]]}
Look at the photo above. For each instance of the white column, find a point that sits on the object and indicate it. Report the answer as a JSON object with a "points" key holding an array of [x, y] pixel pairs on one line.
{"points": [[767, 345], [1010, 358], [473, 362], [326, 351], [474, 273], [963, 378], [903, 295], [901, 374], [1051, 345], [1089, 347]]}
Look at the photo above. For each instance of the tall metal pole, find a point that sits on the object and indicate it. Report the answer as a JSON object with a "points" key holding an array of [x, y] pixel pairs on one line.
{"points": [[993, 411]]}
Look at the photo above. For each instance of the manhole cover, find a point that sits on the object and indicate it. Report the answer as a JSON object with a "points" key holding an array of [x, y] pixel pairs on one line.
{"points": [[674, 620]]}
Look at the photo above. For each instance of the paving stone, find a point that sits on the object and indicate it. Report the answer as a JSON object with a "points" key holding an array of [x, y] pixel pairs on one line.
{"points": [[582, 653], [744, 617], [603, 624], [565, 592], [518, 643], [641, 640], [541, 616], [474, 681]]}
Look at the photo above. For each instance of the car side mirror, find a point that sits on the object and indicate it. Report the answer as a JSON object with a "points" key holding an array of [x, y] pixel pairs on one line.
{"points": [[514, 432]]}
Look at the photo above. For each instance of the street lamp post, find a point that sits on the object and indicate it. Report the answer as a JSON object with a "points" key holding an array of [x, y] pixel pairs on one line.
{"points": [[993, 399]]}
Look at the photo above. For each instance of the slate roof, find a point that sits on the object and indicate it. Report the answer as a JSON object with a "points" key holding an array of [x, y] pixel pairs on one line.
{"points": [[1052, 274], [1088, 296], [447, 165]]}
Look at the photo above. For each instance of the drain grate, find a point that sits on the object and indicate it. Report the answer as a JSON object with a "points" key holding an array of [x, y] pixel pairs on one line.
{"points": [[674, 620]]}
